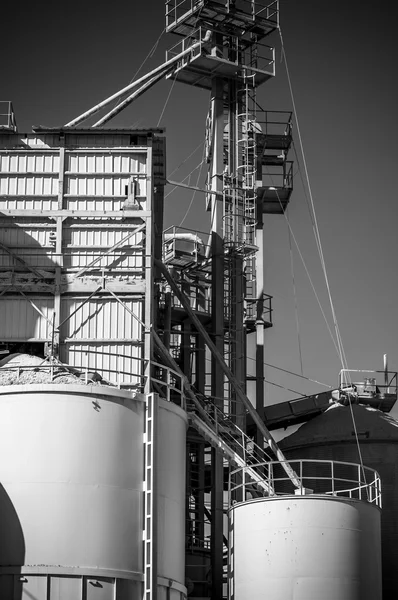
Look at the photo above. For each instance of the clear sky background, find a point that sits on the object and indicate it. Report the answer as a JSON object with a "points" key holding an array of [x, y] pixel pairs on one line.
{"points": [[59, 59]]}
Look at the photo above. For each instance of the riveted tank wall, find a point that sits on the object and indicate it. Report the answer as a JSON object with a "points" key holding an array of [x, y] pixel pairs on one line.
{"points": [[331, 436], [305, 548], [173, 424], [71, 473]]}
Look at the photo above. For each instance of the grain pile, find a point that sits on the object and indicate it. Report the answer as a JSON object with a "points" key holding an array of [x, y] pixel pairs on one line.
{"points": [[24, 369]]}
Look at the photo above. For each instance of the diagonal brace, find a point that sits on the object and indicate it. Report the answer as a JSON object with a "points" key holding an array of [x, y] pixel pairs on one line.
{"points": [[110, 250], [21, 261], [230, 376]]}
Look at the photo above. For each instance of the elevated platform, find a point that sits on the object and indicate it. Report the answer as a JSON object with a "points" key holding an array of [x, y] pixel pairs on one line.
{"points": [[201, 70], [240, 17], [274, 199], [273, 142], [200, 61]]}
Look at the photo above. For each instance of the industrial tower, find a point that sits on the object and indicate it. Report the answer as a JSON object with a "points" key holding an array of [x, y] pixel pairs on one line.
{"points": [[149, 330], [248, 176]]}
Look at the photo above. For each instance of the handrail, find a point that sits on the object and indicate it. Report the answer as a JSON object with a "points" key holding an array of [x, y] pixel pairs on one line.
{"points": [[168, 383], [320, 477]]}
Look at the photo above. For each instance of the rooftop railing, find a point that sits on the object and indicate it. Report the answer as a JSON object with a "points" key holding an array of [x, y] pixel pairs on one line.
{"points": [[319, 477]]}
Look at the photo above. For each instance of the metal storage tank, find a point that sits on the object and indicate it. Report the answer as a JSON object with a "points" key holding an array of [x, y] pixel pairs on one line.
{"points": [[305, 548], [71, 503], [173, 424], [331, 436]]}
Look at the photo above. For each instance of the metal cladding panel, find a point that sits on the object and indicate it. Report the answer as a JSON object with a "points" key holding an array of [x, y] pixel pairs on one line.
{"points": [[23, 237], [116, 362], [29, 203], [102, 175], [172, 429], [19, 320], [30, 244], [101, 318], [92, 141], [35, 257], [29, 162], [71, 469], [127, 163], [37, 142], [306, 548], [82, 246], [28, 185]]}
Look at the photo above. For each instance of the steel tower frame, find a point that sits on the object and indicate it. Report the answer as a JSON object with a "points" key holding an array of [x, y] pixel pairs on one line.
{"points": [[230, 59]]}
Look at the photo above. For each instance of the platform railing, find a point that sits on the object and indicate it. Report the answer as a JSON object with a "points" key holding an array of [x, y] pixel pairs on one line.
{"points": [[258, 10], [373, 383], [263, 61], [165, 381], [7, 116], [318, 477], [275, 122], [252, 310], [279, 177]]}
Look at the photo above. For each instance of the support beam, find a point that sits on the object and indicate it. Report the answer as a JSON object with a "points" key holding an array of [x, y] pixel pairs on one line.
{"points": [[110, 250], [217, 291], [225, 369], [21, 261], [51, 214], [164, 68]]}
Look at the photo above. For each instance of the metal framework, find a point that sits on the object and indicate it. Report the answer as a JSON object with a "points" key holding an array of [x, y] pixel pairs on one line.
{"points": [[77, 246], [85, 268]]}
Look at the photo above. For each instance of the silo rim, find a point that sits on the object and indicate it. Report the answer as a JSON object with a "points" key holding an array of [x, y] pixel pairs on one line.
{"points": [[81, 390], [301, 498]]}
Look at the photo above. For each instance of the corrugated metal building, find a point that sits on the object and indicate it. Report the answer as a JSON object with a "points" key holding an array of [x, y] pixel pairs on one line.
{"points": [[77, 242]]}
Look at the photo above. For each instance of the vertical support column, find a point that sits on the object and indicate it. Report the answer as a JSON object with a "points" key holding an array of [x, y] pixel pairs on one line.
{"points": [[57, 297], [148, 274], [58, 250], [260, 320], [238, 338], [186, 348], [150, 491], [217, 253]]}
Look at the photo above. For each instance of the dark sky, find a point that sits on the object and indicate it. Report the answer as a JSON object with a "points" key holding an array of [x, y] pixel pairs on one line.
{"points": [[59, 59]]}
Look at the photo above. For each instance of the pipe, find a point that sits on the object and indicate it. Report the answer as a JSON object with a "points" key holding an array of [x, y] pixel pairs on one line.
{"points": [[162, 68], [129, 99]]}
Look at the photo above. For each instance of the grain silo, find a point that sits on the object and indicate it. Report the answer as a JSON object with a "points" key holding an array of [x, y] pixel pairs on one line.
{"points": [[331, 436]]}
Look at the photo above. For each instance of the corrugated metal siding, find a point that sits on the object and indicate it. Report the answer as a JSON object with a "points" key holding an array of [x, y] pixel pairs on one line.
{"points": [[116, 362], [98, 162], [101, 319], [15, 236], [90, 141], [32, 245], [20, 321], [83, 246], [98, 170], [24, 203], [102, 175], [31, 162], [29, 174], [28, 185]]}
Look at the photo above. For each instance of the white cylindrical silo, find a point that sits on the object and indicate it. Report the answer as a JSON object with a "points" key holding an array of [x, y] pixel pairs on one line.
{"points": [[305, 548], [172, 429], [331, 436], [71, 493]]}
